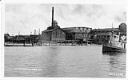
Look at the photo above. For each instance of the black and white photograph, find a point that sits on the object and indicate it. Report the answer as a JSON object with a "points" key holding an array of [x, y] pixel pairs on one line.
{"points": [[65, 40]]}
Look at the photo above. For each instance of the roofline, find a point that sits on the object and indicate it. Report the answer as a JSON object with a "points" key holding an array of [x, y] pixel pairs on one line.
{"points": [[76, 27]]}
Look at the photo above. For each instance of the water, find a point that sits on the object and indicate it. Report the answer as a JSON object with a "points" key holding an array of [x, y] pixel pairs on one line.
{"points": [[63, 61]]}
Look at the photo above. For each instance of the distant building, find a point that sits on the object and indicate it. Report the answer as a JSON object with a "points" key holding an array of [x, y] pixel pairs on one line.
{"points": [[77, 33], [26, 39], [8, 38], [123, 29], [101, 36], [84, 34], [56, 34]]}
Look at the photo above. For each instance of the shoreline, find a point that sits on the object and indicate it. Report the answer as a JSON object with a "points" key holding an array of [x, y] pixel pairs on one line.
{"points": [[29, 45]]}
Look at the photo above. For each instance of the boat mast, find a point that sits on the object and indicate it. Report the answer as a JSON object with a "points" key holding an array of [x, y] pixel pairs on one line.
{"points": [[112, 30]]}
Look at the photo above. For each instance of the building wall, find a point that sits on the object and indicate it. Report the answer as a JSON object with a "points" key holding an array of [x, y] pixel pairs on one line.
{"points": [[58, 35], [46, 36], [77, 33], [81, 36], [83, 33], [102, 36], [70, 36]]}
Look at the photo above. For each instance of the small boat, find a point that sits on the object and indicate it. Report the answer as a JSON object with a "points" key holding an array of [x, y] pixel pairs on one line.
{"points": [[116, 43]]}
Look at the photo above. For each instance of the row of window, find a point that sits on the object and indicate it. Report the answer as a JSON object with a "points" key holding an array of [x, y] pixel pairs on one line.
{"points": [[103, 36], [83, 29]]}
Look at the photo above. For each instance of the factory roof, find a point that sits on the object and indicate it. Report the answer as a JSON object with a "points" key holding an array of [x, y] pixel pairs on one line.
{"points": [[76, 29], [106, 29], [71, 29]]}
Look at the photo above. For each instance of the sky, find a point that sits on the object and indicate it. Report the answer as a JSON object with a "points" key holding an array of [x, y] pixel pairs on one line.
{"points": [[24, 18]]}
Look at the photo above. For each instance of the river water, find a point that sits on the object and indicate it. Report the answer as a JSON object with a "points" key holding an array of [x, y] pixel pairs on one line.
{"points": [[63, 61]]}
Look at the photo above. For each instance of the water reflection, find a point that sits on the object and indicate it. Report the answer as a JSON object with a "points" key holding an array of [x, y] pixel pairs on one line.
{"points": [[51, 63], [116, 64], [112, 53]]}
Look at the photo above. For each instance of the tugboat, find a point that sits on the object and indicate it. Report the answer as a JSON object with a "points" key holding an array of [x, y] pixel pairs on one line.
{"points": [[116, 44]]}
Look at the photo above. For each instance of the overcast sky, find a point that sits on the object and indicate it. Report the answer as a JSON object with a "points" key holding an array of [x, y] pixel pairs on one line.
{"points": [[24, 18]]}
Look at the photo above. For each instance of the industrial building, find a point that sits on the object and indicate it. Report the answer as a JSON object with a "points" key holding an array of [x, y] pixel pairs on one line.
{"points": [[56, 34], [102, 36]]}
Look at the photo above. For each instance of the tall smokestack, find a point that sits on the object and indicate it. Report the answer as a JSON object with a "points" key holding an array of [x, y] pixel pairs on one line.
{"points": [[52, 16]]}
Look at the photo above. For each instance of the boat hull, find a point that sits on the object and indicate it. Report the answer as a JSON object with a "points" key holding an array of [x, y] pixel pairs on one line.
{"points": [[107, 48]]}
